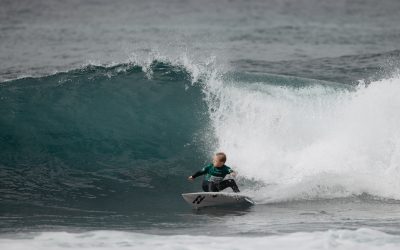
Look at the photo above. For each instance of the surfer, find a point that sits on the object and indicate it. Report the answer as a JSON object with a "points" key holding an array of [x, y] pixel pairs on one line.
{"points": [[214, 175]]}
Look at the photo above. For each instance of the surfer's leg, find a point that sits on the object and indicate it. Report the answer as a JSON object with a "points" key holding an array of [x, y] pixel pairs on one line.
{"points": [[228, 183], [205, 186], [213, 187]]}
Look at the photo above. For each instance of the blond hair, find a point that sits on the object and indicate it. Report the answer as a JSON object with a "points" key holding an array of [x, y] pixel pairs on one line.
{"points": [[221, 156]]}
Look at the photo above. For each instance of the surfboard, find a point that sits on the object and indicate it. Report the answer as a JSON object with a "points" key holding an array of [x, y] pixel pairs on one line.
{"points": [[208, 199]]}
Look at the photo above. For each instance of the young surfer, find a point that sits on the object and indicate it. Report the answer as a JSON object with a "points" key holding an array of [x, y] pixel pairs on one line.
{"points": [[214, 175]]}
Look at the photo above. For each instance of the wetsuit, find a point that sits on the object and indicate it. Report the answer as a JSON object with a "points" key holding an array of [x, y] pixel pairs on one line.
{"points": [[214, 178]]}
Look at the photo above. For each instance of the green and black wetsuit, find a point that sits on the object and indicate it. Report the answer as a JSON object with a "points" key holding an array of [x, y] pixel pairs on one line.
{"points": [[214, 178]]}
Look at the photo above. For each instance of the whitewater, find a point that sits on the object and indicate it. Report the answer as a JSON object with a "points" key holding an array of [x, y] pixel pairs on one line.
{"points": [[342, 239], [314, 141]]}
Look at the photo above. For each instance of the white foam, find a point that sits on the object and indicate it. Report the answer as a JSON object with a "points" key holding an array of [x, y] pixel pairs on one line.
{"points": [[310, 142], [337, 239]]}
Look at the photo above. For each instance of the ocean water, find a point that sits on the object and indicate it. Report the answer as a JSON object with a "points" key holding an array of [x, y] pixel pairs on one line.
{"points": [[107, 107]]}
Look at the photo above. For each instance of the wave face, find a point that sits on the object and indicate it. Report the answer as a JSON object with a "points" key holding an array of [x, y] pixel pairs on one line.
{"points": [[124, 138], [99, 135]]}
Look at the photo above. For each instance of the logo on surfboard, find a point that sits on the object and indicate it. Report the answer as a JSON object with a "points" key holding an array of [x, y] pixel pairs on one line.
{"points": [[199, 199]]}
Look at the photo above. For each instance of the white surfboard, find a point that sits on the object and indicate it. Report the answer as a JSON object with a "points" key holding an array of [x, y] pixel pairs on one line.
{"points": [[207, 199]]}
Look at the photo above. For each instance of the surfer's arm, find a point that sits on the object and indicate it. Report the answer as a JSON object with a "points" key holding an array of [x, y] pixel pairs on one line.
{"points": [[232, 172], [198, 173]]}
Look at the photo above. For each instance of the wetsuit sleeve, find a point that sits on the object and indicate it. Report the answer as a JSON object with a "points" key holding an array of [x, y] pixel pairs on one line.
{"points": [[201, 172]]}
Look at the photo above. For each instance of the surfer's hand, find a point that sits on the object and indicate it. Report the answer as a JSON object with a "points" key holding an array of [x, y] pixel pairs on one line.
{"points": [[190, 178], [234, 174]]}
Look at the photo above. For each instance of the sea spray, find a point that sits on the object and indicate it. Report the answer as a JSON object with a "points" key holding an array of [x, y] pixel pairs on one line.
{"points": [[311, 141]]}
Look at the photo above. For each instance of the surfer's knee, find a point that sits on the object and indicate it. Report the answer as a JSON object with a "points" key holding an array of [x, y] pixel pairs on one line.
{"points": [[233, 185], [214, 187]]}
